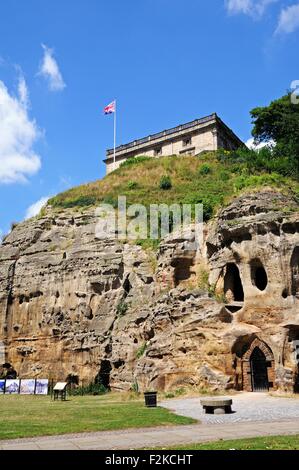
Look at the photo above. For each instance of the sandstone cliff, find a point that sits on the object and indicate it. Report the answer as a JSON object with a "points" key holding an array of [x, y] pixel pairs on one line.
{"points": [[73, 304]]}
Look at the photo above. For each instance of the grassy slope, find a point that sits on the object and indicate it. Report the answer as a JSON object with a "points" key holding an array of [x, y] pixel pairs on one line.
{"points": [[26, 416], [256, 443], [140, 183]]}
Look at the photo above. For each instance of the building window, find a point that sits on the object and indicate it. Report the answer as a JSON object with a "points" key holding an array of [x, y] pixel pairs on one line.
{"points": [[158, 151], [187, 142]]}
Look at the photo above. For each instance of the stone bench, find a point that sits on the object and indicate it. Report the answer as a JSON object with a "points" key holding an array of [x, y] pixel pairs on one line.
{"points": [[217, 406]]}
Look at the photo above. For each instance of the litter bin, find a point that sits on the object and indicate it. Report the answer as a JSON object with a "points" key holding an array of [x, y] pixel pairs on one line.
{"points": [[150, 399]]}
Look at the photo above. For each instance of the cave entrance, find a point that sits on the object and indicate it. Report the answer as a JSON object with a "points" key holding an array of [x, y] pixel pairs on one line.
{"points": [[259, 372], [295, 272], [103, 377], [259, 276], [182, 269], [233, 288]]}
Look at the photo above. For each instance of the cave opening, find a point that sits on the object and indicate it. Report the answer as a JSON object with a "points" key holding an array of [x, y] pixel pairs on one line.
{"points": [[182, 269], [285, 294], [233, 308], [127, 286], [72, 381], [295, 271], [7, 371], [103, 377], [233, 288], [118, 364], [259, 276]]}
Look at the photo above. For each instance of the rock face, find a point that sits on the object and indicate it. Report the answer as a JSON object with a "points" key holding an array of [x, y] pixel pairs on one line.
{"points": [[224, 316]]}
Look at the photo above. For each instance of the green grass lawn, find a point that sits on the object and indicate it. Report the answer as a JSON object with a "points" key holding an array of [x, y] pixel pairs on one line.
{"points": [[28, 416], [257, 443]]}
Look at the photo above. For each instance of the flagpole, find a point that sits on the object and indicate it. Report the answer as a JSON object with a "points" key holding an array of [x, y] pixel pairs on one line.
{"points": [[114, 159]]}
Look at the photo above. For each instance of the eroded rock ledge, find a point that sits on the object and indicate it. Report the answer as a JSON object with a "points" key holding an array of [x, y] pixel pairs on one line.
{"points": [[72, 304]]}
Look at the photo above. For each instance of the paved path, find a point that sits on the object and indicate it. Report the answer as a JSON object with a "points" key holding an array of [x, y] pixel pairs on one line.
{"points": [[254, 413], [247, 407], [153, 437]]}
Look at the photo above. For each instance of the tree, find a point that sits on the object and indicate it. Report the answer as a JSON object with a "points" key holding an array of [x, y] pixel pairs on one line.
{"points": [[279, 122]]}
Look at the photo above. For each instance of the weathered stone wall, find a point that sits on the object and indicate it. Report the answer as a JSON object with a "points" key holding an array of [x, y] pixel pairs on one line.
{"points": [[69, 301], [259, 234]]}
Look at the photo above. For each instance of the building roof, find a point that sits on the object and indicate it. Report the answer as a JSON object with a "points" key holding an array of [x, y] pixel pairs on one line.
{"points": [[169, 133]]}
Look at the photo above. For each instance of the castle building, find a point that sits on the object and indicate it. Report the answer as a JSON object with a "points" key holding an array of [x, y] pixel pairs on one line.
{"points": [[206, 134]]}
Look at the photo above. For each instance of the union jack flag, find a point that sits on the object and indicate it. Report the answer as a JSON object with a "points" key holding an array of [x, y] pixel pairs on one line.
{"points": [[110, 108]]}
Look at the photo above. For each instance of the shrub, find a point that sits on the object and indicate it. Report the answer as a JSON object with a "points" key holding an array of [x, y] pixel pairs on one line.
{"points": [[224, 176], [132, 185], [122, 308], [111, 201], [165, 183], [265, 179], [140, 352], [208, 210], [267, 159], [135, 387], [205, 169], [209, 203], [91, 389], [80, 201]]}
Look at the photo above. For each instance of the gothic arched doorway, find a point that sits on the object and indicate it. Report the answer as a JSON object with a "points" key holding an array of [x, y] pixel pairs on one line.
{"points": [[259, 371], [253, 364]]}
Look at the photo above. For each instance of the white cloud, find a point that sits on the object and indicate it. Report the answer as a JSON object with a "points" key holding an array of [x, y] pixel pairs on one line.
{"points": [[251, 144], [289, 19], [254, 8], [49, 69], [23, 92], [35, 208], [18, 135], [238, 6]]}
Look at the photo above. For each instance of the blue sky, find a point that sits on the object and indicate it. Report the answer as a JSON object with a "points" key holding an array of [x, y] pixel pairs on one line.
{"points": [[165, 61]]}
